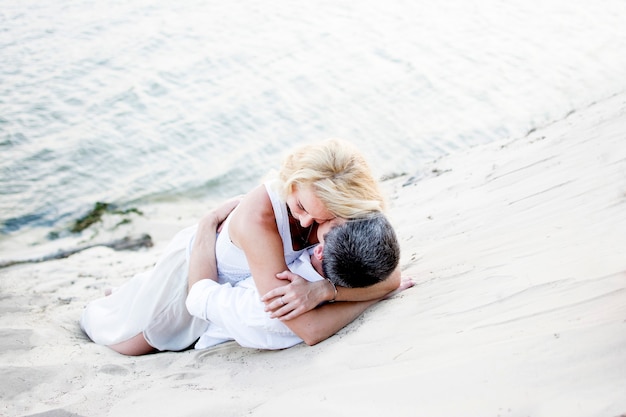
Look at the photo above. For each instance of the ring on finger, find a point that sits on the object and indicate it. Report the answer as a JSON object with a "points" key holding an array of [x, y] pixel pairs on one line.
{"points": [[282, 301]]}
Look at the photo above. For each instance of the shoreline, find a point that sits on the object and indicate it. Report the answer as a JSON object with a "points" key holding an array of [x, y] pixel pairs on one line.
{"points": [[517, 248]]}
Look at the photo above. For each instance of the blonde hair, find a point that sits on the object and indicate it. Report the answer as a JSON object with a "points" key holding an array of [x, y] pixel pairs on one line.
{"points": [[339, 175]]}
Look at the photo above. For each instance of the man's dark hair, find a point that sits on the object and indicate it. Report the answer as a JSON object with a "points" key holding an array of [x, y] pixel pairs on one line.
{"points": [[361, 252]]}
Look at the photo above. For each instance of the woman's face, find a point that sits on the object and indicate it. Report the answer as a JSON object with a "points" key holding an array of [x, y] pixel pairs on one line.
{"points": [[306, 207]]}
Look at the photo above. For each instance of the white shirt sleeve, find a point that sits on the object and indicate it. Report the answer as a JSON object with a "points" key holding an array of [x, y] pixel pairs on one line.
{"points": [[236, 313], [303, 267]]}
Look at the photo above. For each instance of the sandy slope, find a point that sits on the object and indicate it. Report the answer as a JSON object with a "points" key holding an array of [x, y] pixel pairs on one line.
{"points": [[519, 251]]}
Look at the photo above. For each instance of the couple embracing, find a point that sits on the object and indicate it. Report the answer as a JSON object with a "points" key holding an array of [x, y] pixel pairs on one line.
{"points": [[295, 259]]}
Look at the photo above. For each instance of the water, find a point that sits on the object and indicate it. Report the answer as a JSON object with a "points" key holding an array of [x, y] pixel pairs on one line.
{"points": [[138, 101]]}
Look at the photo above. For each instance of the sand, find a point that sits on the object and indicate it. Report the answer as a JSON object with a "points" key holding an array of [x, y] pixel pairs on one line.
{"points": [[518, 249]]}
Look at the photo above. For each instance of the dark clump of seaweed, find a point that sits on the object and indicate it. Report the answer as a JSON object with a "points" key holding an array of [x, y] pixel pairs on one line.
{"points": [[95, 215]]}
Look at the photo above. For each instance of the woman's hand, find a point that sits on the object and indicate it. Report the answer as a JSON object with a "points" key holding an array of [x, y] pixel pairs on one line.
{"points": [[298, 297]]}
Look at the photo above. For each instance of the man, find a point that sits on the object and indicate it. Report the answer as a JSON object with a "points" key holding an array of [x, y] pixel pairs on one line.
{"points": [[355, 254]]}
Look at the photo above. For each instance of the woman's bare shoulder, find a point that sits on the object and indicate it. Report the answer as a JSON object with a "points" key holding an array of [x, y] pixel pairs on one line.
{"points": [[257, 202], [255, 212]]}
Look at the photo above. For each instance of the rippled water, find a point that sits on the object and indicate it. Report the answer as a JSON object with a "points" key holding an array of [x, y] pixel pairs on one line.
{"points": [[135, 101]]}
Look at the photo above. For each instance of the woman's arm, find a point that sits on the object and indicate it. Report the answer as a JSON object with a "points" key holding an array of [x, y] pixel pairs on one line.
{"points": [[372, 292], [325, 321], [321, 323], [253, 229], [299, 296]]}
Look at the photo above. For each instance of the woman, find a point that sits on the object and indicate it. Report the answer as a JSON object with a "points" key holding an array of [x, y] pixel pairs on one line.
{"points": [[317, 183]]}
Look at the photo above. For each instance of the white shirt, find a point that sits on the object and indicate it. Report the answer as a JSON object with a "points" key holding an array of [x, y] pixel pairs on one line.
{"points": [[237, 312]]}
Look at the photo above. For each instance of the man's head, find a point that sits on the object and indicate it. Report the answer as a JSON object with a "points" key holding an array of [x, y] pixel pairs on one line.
{"points": [[358, 253]]}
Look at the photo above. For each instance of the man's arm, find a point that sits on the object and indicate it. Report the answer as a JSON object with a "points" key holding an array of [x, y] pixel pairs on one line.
{"points": [[239, 311], [202, 262]]}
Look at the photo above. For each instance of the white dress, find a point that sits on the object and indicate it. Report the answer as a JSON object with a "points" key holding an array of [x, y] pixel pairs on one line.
{"points": [[153, 302]]}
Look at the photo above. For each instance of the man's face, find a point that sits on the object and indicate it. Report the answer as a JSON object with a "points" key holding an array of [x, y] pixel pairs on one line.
{"points": [[318, 251], [325, 227]]}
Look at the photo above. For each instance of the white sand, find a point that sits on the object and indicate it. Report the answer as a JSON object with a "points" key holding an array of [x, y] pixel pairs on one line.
{"points": [[519, 251]]}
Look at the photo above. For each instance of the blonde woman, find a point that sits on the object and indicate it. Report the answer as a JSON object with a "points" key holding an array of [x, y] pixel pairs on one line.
{"points": [[271, 226], [319, 183]]}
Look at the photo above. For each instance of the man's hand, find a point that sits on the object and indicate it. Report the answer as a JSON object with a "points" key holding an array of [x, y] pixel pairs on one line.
{"points": [[405, 283]]}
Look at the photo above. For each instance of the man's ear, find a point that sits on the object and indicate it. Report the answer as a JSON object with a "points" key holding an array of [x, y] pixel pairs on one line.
{"points": [[318, 252]]}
